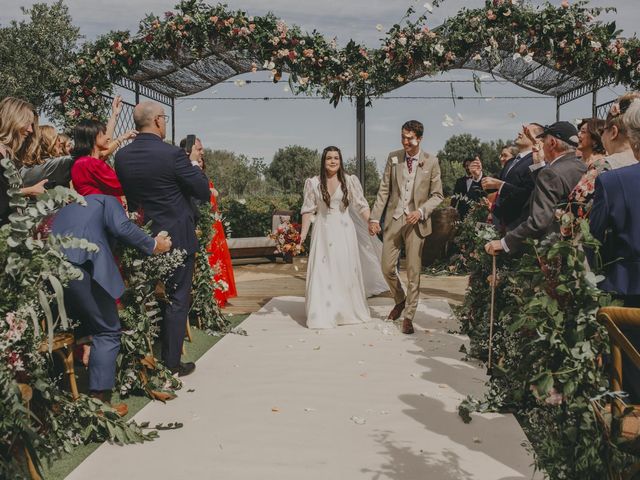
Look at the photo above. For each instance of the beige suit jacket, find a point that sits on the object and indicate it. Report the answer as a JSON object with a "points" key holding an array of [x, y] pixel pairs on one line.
{"points": [[427, 188]]}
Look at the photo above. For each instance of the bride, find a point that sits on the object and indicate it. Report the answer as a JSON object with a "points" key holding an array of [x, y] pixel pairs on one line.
{"points": [[336, 293]]}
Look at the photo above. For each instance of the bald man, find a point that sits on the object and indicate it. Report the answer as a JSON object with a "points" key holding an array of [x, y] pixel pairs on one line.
{"points": [[161, 180]]}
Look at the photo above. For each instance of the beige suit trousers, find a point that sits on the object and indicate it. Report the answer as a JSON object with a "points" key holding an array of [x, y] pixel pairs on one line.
{"points": [[396, 235]]}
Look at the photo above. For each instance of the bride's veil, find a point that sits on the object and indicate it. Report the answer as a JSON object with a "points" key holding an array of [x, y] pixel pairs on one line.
{"points": [[370, 249]]}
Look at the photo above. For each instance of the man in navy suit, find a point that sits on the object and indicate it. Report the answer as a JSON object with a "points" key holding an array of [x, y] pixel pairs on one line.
{"points": [[92, 299], [554, 180], [160, 179], [516, 182], [615, 222], [468, 189]]}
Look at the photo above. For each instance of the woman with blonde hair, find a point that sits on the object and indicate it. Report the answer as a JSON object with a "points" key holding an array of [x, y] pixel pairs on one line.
{"points": [[19, 142], [50, 164], [615, 133], [66, 144]]}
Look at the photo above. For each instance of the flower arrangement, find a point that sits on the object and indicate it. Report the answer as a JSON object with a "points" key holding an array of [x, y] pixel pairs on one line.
{"points": [[567, 38], [287, 238]]}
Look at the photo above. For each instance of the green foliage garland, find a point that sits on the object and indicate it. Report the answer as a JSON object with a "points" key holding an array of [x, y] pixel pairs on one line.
{"points": [[548, 350], [34, 269], [568, 38], [204, 308], [141, 318]]}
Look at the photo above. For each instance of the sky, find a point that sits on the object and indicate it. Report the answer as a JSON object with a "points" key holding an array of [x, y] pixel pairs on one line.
{"points": [[258, 128]]}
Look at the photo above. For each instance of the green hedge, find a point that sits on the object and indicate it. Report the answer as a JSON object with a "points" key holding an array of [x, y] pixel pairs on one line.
{"points": [[251, 217]]}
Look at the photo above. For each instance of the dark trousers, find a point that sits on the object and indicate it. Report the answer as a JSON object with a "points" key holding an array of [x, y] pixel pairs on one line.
{"points": [[96, 310], [175, 315]]}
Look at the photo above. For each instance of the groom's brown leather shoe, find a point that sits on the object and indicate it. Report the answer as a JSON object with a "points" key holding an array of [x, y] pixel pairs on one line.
{"points": [[407, 326], [395, 313]]}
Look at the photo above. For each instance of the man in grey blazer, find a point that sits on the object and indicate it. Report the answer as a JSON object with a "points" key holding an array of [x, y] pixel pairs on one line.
{"points": [[555, 178]]}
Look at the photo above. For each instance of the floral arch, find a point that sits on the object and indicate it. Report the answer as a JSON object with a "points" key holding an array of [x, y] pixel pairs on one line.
{"points": [[549, 50]]}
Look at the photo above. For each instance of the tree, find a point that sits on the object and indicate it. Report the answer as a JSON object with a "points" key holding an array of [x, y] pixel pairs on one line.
{"points": [[234, 174], [291, 166], [35, 52], [371, 175], [460, 147]]}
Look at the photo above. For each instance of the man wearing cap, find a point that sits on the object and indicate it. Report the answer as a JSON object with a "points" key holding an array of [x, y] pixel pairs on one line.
{"points": [[556, 177]]}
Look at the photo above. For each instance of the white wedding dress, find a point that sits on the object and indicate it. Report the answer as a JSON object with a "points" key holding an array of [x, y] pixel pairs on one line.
{"points": [[335, 290]]}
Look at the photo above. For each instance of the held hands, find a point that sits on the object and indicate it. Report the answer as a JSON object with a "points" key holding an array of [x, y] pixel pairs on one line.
{"points": [[490, 183], [163, 243], [374, 228], [494, 247], [413, 217]]}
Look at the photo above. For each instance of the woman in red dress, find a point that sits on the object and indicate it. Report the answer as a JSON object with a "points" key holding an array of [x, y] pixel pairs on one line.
{"points": [[219, 256], [89, 174]]}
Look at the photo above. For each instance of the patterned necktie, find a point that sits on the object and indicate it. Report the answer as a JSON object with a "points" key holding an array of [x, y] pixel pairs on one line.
{"points": [[410, 163], [513, 164]]}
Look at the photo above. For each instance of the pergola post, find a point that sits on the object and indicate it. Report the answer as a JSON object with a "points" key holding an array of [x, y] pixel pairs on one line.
{"points": [[360, 139], [173, 120], [557, 109], [594, 103]]}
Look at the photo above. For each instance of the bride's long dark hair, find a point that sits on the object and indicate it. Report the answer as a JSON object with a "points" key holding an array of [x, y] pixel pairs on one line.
{"points": [[341, 176]]}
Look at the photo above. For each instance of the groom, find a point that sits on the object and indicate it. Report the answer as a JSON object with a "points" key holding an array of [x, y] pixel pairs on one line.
{"points": [[410, 190]]}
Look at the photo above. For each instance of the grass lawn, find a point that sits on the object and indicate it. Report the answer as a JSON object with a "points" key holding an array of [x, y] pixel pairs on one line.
{"points": [[201, 343]]}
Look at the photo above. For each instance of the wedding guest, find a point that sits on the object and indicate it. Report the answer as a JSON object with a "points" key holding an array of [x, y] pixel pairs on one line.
{"points": [[19, 142], [615, 222], [555, 179], [592, 149], [614, 134], [66, 144], [219, 255], [92, 299], [507, 153], [51, 164], [468, 189], [160, 179], [515, 182], [89, 174]]}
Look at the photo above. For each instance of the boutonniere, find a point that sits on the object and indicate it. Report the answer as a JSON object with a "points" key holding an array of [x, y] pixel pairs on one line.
{"points": [[394, 160], [421, 163]]}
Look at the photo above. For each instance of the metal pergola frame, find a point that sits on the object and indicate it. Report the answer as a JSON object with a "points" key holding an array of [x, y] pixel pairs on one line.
{"points": [[183, 75]]}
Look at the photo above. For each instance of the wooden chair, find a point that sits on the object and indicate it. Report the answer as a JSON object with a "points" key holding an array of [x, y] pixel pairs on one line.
{"points": [[21, 451], [63, 345], [620, 421]]}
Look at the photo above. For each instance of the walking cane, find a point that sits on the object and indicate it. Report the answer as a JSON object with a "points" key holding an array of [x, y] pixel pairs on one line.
{"points": [[491, 315]]}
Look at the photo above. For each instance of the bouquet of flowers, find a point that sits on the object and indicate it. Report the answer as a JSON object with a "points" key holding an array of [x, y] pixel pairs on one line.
{"points": [[287, 238]]}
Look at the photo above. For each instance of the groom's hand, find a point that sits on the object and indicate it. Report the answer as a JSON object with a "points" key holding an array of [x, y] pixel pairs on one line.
{"points": [[413, 217], [374, 228]]}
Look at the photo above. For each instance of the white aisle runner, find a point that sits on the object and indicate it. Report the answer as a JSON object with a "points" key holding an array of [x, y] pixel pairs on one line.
{"points": [[357, 402]]}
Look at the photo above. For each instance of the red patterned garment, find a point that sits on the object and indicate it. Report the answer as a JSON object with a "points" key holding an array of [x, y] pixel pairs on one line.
{"points": [[220, 259]]}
